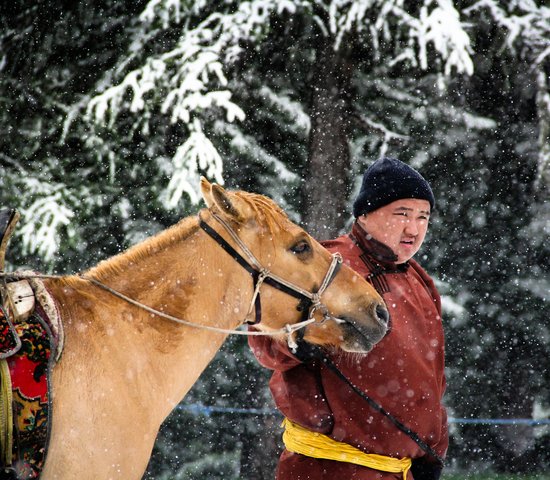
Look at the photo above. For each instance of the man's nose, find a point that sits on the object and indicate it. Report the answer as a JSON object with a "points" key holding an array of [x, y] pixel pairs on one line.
{"points": [[411, 228]]}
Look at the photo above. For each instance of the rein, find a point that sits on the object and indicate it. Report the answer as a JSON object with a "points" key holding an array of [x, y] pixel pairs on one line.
{"points": [[259, 274], [288, 329]]}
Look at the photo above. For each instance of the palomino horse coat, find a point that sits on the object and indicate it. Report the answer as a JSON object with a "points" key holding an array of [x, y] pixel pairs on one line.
{"points": [[124, 369]]}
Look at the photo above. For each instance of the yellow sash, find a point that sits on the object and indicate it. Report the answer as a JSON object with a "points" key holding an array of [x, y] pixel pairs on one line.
{"points": [[298, 439]]}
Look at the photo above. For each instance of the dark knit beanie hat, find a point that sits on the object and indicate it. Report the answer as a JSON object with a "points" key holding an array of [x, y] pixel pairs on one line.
{"points": [[387, 180]]}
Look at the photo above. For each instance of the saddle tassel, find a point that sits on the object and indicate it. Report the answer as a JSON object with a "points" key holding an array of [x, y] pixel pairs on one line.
{"points": [[6, 415]]}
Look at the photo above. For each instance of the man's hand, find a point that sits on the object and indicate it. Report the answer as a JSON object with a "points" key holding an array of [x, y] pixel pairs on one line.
{"points": [[423, 469], [307, 352]]}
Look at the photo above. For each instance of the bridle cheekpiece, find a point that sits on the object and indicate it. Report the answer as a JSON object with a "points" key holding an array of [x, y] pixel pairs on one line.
{"points": [[310, 302]]}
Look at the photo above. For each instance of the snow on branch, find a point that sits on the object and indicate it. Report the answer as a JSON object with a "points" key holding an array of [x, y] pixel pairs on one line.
{"points": [[249, 147], [442, 28], [165, 10], [438, 26], [44, 218], [195, 156], [137, 83], [188, 82], [299, 120], [527, 23], [388, 136]]}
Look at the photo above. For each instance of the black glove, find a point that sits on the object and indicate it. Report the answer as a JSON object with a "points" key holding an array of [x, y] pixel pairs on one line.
{"points": [[423, 469], [307, 352]]}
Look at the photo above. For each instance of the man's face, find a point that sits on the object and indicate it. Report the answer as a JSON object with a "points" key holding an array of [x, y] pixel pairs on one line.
{"points": [[401, 225]]}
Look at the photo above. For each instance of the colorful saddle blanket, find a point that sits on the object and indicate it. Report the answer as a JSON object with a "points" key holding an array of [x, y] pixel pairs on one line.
{"points": [[27, 354]]}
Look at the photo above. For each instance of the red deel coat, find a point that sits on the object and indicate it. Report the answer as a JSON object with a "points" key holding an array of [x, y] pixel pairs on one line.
{"points": [[404, 373]]}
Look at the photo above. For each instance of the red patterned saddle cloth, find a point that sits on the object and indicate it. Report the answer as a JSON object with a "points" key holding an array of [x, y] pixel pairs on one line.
{"points": [[26, 347]]}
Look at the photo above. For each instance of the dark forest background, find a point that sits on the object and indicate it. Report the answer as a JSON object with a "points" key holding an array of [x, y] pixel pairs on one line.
{"points": [[294, 99]]}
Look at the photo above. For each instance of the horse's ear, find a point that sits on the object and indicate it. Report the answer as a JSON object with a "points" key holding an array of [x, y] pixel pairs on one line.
{"points": [[206, 189], [229, 204]]}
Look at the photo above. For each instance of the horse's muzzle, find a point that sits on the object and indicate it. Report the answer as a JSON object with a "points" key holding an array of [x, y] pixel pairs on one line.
{"points": [[383, 317], [359, 338]]}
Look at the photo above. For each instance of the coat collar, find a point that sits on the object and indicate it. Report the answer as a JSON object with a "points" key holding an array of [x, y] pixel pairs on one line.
{"points": [[381, 254]]}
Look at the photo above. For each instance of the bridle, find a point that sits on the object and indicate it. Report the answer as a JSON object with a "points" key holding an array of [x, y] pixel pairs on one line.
{"points": [[309, 303]]}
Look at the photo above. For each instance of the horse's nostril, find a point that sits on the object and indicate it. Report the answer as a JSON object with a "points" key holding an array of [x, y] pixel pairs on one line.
{"points": [[382, 314]]}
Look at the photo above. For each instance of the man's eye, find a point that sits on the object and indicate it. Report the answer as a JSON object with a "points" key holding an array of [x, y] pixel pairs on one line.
{"points": [[300, 248]]}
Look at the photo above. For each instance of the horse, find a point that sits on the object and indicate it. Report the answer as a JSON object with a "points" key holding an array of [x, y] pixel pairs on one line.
{"points": [[125, 365]]}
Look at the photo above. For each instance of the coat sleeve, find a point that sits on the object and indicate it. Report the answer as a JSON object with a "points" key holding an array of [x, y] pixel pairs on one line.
{"points": [[296, 387], [443, 444]]}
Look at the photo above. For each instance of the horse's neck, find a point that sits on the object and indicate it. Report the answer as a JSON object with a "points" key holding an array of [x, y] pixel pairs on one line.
{"points": [[189, 280], [191, 277]]}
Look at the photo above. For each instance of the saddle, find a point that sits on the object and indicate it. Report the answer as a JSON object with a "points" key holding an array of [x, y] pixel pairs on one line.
{"points": [[26, 346]]}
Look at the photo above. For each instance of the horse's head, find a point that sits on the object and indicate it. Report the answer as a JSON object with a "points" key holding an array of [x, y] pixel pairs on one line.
{"points": [[350, 314]]}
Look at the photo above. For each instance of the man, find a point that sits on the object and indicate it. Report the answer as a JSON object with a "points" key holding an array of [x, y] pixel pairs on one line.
{"points": [[404, 373]]}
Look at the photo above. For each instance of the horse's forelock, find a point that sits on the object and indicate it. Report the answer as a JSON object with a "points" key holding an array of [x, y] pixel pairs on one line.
{"points": [[265, 209]]}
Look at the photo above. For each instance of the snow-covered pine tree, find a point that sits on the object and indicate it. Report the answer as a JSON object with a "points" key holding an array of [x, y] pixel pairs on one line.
{"points": [[109, 111], [496, 252]]}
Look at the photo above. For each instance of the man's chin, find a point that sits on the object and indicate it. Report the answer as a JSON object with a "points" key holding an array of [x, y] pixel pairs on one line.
{"points": [[404, 255]]}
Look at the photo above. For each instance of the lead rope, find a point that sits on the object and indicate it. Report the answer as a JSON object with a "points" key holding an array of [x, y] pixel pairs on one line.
{"points": [[287, 329], [377, 407]]}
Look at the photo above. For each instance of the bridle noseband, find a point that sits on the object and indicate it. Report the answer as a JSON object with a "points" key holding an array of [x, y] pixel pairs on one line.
{"points": [[309, 301]]}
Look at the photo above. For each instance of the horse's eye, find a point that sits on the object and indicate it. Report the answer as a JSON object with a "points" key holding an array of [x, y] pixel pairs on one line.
{"points": [[301, 247]]}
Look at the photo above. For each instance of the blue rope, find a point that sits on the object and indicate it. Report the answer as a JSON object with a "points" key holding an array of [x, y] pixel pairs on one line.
{"points": [[198, 409], [501, 421]]}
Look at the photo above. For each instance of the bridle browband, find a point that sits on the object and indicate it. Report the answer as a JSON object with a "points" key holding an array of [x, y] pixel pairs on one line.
{"points": [[309, 301]]}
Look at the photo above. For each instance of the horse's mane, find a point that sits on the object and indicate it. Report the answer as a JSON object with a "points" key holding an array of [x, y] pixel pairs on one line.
{"points": [[265, 210], [164, 239]]}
